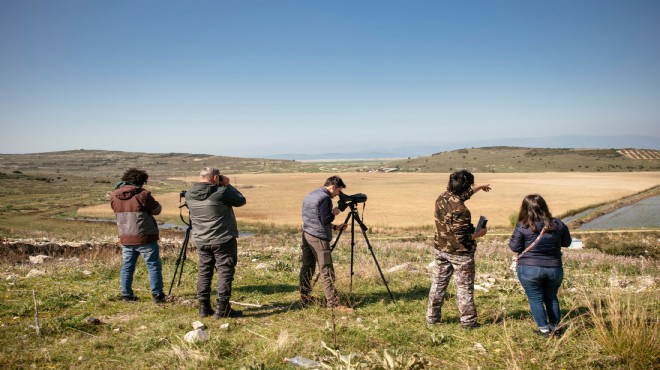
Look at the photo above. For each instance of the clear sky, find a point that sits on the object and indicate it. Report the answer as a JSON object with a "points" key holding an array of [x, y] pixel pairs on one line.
{"points": [[255, 78]]}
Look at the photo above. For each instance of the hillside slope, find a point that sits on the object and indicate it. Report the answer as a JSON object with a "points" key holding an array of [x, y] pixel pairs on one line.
{"points": [[516, 159], [103, 163]]}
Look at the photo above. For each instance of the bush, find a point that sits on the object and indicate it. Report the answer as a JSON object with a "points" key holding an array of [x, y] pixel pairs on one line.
{"points": [[624, 328], [615, 244]]}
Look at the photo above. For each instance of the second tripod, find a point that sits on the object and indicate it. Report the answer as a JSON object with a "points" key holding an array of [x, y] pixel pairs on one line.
{"points": [[183, 253], [355, 217]]}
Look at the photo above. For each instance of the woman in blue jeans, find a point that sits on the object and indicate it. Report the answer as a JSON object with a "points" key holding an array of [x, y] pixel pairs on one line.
{"points": [[540, 268]]}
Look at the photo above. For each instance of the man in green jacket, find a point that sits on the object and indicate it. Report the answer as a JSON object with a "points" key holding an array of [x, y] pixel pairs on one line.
{"points": [[214, 230]]}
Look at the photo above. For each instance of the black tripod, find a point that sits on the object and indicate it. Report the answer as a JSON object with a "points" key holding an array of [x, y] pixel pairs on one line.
{"points": [[353, 214], [184, 248]]}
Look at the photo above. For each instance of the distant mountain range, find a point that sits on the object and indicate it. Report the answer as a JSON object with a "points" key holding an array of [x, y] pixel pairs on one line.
{"points": [[567, 141]]}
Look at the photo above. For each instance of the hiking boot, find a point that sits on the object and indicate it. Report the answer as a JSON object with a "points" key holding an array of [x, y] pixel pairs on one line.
{"points": [[129, 298], [159, 298], [225, 310], [307, 300], [471, 326], [205, 308]]}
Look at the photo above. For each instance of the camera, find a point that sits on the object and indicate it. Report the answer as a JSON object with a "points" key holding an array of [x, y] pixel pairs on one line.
{"points": [[347, 200], [182, 193]]}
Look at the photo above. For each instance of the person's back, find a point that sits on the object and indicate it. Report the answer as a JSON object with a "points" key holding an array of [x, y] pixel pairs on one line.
{"points": [[316, 213], [214, 230], [537, 240], [455, 246], [134, 208], [211, 212], [453, 225], [547, 251]]}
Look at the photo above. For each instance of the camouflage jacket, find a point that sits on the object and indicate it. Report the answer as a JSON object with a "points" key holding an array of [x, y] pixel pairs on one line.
{"points": [[453, 224]]}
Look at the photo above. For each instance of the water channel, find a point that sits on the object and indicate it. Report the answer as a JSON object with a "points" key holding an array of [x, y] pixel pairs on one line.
{"points": [[641, 215]]}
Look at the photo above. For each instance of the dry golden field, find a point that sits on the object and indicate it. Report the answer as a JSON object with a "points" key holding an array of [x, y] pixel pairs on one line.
{"points": [[398, 200]]}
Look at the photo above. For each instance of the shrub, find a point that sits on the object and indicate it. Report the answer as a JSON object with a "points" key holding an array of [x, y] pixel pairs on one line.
{"points": [[624, 328]]}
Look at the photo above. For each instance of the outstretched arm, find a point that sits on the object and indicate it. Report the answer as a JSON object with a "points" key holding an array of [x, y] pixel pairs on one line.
{"points": [[484, 187]]}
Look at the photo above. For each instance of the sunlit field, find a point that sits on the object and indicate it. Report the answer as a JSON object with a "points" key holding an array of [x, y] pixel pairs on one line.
{"points": [[400, 200]]}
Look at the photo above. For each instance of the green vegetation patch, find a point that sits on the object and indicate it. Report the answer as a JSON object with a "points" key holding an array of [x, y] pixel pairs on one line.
{"points": [[82, 323]]}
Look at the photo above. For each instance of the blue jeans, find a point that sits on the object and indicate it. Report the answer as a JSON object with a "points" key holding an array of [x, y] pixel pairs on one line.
{"points": [[541, 285], [150, 254]]}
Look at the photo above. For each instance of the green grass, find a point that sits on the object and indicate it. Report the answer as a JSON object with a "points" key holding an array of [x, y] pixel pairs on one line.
{"points": [[82, 281], [145, 335]]}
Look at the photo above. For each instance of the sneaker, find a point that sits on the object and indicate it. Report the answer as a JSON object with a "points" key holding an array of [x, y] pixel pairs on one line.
{"points": [[160, 298], [471, 326], [129, 298], [556, 333], [544, 334]]}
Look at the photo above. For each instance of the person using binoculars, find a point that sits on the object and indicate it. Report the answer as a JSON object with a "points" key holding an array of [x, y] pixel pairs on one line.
{"points": [[214, 229], [318, 215]]}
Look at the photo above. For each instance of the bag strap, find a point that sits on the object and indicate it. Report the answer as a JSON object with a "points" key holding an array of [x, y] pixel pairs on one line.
{"points": [[533, 243]]}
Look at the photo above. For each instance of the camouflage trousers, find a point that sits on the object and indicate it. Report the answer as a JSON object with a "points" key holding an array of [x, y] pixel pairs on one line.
{"points": [[445, 265]]}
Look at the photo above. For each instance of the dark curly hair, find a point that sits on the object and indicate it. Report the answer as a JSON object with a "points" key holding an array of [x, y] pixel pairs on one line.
{"points": [[135, 176], [460, 182]]}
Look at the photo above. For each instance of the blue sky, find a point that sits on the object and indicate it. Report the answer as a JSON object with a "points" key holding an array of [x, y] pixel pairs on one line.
{"points": [[255, 78]]}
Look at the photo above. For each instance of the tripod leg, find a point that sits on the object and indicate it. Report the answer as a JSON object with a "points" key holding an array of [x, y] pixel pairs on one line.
{"points": [[332, 248], [182, 257], [352, 249], [364, 229]]}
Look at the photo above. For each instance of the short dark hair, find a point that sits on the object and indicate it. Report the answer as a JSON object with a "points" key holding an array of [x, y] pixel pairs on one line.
{"points": [[460, 181], [135, 176], [335, 180]]}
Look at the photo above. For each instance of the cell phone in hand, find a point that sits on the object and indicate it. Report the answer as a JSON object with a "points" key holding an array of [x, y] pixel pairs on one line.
{"points": [[483, 221]]}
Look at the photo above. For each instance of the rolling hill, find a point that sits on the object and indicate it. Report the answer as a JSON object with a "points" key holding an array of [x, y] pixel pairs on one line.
{"points": [[102, 164], [516, 159]]}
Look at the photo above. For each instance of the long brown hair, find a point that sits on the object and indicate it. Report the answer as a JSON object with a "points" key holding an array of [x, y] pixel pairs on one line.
{"points": [[534, 208]]}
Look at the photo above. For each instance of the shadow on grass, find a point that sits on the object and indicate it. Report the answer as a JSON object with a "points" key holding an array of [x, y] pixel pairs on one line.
{"points": [[266, 288], [414, 293]]}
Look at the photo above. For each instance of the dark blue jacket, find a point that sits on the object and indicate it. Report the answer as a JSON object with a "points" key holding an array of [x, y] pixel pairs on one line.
{"points": [[547, 251], [317, 214]]}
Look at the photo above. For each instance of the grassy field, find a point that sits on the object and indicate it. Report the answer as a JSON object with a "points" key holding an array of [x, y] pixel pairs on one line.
{"points": [[609, 304], [406, 200]]}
